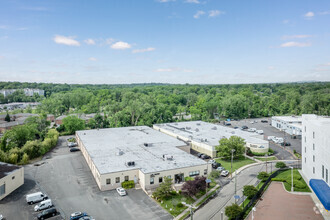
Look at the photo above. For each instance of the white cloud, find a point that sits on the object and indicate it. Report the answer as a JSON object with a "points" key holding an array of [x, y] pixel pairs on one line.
{"points": [[295, 44], [165, 70], [143, 50], [109, 41], [92, 59], [309, 14], [214, 13], [90, 41], [325, 13], [163, 1], [295, 36], [192, 1], [70, 41], [285, 21], [120, 45], [198, 14]]}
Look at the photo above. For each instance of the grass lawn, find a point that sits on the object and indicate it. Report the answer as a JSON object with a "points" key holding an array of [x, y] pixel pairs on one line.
{"points": [[266, 158], [171, 204], [236, 163], [299, 184]]}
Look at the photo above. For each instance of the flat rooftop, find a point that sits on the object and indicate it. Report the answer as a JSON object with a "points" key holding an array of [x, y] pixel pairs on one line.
{"points": [[104, 147], [292, 119], [321, 121], [209, 133], [6, 169]]}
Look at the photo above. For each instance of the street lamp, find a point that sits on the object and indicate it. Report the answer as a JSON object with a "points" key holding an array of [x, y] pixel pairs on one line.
{"points": [[191, 209], [231, 168], [253, 210], [291, 179]]}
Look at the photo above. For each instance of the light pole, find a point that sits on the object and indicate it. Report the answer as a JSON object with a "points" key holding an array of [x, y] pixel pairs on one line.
{"points": [[231, 167], [191, 209], [253, 210], [291, 179]]}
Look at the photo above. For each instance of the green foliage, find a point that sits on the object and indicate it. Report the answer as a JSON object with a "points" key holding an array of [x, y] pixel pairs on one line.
{"points": [[180, 205], [128, 184], [227, 145], [7, 118], [263, 176], [164, 189], [299, 183], [249, 191], [280, 165], [278, 179], [214, 174], [25, 159], [270, 151], [258, 154], [72, 124], [233, 211], [188, 178]]}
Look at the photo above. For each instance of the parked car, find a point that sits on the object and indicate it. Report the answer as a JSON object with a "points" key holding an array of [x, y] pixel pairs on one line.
{"points": [[77, 215], [43, 205], [286, 143], [211, 161], [72, 144], [252, 122], [1, 217], [216, 165], [224, 173], [121, 191], [204, 156], [271, 138], [74, 149], [35, 197], [264, 121], [235, 127], [259, 131], [279, 140], [47, 213], [252, 129], [199, 155], [87, 218], [244, 127], [220, 169], [227, 123]]}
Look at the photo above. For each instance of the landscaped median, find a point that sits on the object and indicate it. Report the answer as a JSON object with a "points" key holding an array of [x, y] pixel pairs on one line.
{"points": [[237, 163], [266, 158]]}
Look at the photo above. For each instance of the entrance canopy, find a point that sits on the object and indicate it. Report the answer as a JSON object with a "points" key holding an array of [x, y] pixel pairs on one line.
{"points": [[322, 191]]}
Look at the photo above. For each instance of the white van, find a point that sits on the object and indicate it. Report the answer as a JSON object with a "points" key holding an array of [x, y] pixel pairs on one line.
{"points": [[43, 205], [259, 131], [35, 197]]}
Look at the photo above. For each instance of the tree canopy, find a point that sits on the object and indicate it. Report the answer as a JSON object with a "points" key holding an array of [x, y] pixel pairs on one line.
{"points": [[227, 145]]}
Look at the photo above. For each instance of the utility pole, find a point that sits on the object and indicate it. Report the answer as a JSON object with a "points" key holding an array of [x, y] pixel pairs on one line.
{"points": [[231, 167], [235, 184]]}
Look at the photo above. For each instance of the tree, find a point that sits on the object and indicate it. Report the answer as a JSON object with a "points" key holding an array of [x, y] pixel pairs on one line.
{"points": [[7, 118], [25, 158], [192, 187], [280, 165], [226, 145], [249, 191], [164, 189], [263, 176], [72, 124], [233, 211]]}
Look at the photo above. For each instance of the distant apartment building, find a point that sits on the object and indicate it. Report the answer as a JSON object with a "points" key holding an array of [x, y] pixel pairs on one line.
{"points": [[289, 124], [85, 117], [316, 155], [11, 177], [27, 92]]}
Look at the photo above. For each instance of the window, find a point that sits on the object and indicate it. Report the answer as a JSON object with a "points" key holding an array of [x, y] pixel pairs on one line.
{"points": [[108, 181], [313, 170], [322, 172], [117, 179], [313, 146], [151, 180], [205, 171], [313, 134], [326, 176], [160, 179], [194, 173], [2, 189], [313, 158], [126, 178]]}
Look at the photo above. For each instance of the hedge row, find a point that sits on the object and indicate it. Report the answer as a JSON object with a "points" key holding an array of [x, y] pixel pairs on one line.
{"points": [[128, 184]]}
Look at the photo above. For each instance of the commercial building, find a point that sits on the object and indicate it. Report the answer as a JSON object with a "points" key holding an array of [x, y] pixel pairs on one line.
{"points": [[204, 137], [140, 153], [16, 119], [27, 91], [11, 177], [289, 124], [85, 117], [316, 154]]}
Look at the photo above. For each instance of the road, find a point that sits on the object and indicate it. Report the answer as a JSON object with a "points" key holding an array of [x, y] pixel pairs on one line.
{"points": [[213, 209]]}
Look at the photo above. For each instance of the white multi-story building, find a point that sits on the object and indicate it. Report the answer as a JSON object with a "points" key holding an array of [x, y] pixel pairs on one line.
{"points": [[27, 92], [316, 155], [289, 124]]}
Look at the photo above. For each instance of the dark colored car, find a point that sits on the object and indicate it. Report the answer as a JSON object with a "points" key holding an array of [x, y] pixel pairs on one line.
{"points": [[227, 123], [235, 127], [47, 213], [199, 155], [216, 165], [74, 149], [264, 121], [286, 143], [205, 156], [244, 127], [77, 215]]}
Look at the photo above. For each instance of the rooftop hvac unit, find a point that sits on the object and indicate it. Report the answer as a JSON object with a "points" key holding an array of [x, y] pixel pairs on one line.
{"points": [[146, 144], [120, 152], [202, 140], [197, 129], [129, 163], [168, 157], [214, 128], [188, 128], [205, 140], [198, 124]]}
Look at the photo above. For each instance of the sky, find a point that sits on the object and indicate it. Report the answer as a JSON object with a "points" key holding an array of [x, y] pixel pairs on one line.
{"points": [[164, 41]]}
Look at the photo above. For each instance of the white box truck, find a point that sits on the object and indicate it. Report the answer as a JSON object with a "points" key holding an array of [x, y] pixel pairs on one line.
{"points": [[43, 205], [35, 197]]}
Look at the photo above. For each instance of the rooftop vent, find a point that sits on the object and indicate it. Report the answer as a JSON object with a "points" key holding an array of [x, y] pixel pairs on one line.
{"points": [[198, 123], [214, 128], [197, 129], [147, 144], [120, 152], [188, 128], [168, 157], [131, 163]]}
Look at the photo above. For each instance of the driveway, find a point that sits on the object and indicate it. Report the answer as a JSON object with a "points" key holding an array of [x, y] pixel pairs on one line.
{"points": [[67, 180]]}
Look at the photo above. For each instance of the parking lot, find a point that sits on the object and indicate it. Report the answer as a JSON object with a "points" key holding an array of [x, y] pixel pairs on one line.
{"points": [[271, 131], [67, 180]]}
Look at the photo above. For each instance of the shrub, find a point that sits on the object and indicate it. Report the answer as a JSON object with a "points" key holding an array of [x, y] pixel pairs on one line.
{"points": [[280, 165], [263, 176], [128, 184], [233, 211], [258, 154], [180, 205], [13, 158], [215, 174], [278, 179], [173, 193], [25, 159], [270, 151], [249, 191], [188, 178]]}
